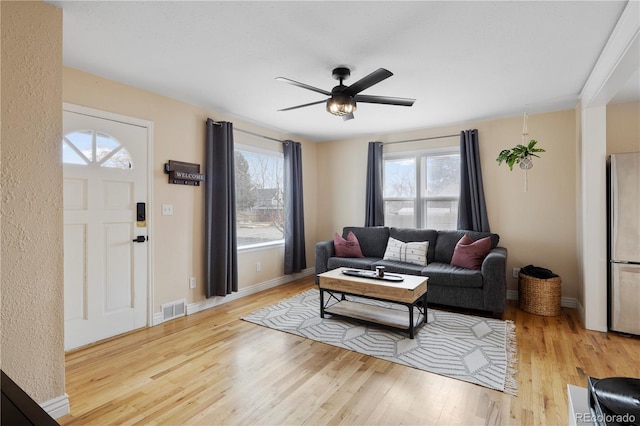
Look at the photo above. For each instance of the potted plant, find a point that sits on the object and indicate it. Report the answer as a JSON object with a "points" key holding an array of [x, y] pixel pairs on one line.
{"points": [[520, 154]]}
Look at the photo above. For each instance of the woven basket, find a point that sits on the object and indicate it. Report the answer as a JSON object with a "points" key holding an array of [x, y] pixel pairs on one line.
{"points": [[539, 296]]}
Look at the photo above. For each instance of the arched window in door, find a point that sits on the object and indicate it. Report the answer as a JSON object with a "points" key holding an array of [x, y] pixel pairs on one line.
{"points": [[93, 148]]}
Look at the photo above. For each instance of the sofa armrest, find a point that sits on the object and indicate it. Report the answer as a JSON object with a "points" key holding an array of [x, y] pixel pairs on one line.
{"points": [[324, 250], [494, 276]]}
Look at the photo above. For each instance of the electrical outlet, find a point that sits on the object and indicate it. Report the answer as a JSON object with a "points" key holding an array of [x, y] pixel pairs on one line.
{"points": [[167, 210], [258, 267], [192, 282], [516, 271]]}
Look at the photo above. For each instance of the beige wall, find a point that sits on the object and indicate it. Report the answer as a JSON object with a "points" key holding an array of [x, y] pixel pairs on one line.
{"points": [[623, 127], [179, 134], [32, 351], [537, 226]]}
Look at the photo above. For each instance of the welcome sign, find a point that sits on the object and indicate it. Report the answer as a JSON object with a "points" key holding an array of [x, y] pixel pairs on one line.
{"points": [[183, 173]]}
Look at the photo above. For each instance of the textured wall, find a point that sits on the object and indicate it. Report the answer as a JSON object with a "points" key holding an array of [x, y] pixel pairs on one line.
{"points": [[32, 350]]}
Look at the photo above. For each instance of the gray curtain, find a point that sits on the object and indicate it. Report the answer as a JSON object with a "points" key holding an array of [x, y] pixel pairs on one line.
{"points": [[472, 210], [221, 263], [374, 215], [295, 258]]}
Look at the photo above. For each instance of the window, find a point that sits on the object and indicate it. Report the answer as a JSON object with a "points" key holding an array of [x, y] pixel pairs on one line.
{"points": [[91, 148], [259, 197], [421, 190]]}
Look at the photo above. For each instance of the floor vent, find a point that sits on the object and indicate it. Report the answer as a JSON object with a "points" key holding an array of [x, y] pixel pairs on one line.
{"points": [[173, 310]]}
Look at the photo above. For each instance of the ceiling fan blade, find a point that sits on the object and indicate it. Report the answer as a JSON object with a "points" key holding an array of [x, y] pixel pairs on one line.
{"points": [[387, 100], [365, 82], [302, 106], [348, 117], [304, 86]]}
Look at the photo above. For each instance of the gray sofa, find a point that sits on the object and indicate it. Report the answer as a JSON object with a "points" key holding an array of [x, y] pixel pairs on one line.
{"points": [[483, 289]]}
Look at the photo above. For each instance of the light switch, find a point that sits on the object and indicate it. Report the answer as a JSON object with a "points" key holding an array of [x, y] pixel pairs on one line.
{"points": [[167, 210]]}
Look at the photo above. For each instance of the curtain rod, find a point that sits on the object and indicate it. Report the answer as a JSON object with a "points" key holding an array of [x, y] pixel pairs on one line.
{"points": [[422, 139], [218, 123]]}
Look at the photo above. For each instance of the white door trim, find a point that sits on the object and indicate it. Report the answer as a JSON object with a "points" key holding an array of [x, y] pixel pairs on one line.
{"points": [[79, 109]]}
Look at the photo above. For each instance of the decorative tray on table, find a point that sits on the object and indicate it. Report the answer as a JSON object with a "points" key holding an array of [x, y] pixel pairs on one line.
{"points": [[372, 274]]}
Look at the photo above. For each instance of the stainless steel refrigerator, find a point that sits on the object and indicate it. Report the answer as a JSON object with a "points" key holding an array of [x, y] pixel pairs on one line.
{"points": [[624, 242]]}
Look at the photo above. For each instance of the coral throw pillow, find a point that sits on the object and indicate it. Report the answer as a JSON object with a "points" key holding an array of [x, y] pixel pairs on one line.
{"points": [[470, 254], [349, 247]]}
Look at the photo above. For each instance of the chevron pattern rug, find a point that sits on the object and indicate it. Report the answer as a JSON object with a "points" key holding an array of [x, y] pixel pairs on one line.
{"points": [[464, 347]]}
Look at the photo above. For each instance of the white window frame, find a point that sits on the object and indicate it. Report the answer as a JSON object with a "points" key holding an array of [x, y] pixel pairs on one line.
{"points": [[92, 160], [270, 244], [420, 200]]}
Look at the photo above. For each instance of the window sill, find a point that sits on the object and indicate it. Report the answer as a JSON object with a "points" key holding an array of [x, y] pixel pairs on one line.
{"points": [[261, 246]]}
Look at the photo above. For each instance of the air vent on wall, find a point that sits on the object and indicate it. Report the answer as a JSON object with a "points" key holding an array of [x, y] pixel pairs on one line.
{"points": [[173, 310]]}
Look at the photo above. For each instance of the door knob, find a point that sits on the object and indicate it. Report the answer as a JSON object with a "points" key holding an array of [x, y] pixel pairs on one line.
{"points": [[140, 239]]}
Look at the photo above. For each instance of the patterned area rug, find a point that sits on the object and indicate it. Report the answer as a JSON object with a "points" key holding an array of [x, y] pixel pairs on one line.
{"points": [[464, 347]]}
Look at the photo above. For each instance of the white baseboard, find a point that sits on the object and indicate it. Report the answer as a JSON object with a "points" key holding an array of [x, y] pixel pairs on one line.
{"points": [[192, 308], [201, 305], [565, 302], [157, 319], [569, 302], [57, 407]]}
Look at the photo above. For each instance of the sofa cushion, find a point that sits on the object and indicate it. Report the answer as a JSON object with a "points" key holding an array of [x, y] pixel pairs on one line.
{"points": [[453, 276], [351, 262], [349, 247], [447, 240], [399, 267], [470, 254], [415, 252], [373, 240], [409, 235]]}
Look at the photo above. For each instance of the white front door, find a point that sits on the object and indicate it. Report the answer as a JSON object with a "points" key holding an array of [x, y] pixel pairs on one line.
{"points": [[105, 270]]}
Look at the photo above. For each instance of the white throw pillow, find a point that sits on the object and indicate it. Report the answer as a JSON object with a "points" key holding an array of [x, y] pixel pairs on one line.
{"points": [[394, 250], [400, 251], [416, 252]]}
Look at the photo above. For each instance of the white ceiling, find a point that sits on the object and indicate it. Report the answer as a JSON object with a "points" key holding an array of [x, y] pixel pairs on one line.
{"points": [[462, 61]]}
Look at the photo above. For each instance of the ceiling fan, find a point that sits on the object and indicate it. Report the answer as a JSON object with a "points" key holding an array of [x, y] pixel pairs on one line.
{"points": [[342, 99]]}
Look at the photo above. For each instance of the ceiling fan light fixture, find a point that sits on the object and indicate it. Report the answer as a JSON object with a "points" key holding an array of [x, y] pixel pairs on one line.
{"points": [[341, 104], [341, 99]]}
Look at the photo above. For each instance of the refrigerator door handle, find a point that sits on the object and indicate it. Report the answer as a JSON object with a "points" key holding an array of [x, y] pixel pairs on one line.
{"points": [[624, 262]]}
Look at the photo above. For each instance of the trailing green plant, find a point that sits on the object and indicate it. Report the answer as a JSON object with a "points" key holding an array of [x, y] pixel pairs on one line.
{"points": [[518, 154]]}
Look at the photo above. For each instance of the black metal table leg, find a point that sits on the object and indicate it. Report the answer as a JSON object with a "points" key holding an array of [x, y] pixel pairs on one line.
{"points": [[410, 321], [321, 303], [424, 306]]}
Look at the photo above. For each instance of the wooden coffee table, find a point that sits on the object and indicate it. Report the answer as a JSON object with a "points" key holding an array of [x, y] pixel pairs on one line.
{"points": [[408, 292]]}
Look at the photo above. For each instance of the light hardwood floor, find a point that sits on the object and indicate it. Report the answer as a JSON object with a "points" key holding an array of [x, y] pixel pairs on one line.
{"points": [[213, 368]]}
